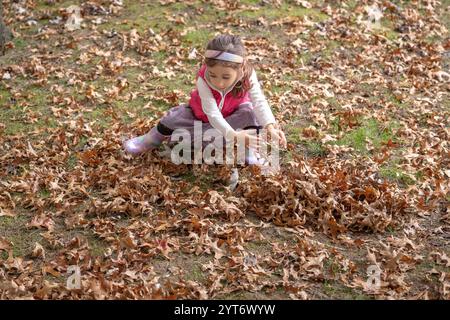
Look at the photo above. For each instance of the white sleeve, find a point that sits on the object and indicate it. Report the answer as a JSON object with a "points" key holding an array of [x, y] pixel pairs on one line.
{"points": [[262, 109], [210, 108]]}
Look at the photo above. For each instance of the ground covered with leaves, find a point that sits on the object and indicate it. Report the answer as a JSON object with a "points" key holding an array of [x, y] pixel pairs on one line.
{"points": [[361, 92]]}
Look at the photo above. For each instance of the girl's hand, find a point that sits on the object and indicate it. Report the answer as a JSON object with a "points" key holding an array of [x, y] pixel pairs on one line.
{"points": [[278, 134], [249, 137]]}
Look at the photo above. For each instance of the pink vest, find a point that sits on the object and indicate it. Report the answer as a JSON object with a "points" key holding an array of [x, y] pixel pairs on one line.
{"points": [[229, 103]]}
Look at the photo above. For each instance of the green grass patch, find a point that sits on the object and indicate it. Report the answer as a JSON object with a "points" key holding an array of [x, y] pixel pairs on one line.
{"points": [[369, 130], [314, 148], [311, 147], [145, 15], [304, 57], [195, 273], [159, 56], [387, 29], [204, 181], [97, 247], [250, 2], [335, 290], [46, 5], [44, 193], [210, 14], [285, 10], [259, 246], [392, 171], [16, 117], [330, 48], [352, 4], [293, 134], [23, 239], [19, 43], [71, 162], [199, 38]]}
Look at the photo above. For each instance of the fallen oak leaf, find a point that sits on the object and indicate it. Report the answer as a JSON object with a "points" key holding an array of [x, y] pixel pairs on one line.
{"points": [[45, 289], [41, 221], [49, 269], [89, 157], [5, 244], [7, 213], [38, 251], [441, 258], [15, 263], [128, 240], [163, 247], [218, 253], [372, 258]]}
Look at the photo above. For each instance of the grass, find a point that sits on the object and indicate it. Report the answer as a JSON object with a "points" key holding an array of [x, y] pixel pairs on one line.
{"points": [[311, 147], [19, 43], [145, 15], [71, 162], [391, 172], [196, 273], [315, 149], [330, 48], [45, 5], [331, 266], [293, 134], [335, 290], [284, 10], [28, 112], [370, 130], [100, 116], [352, 4], [198, 38], [44, 193], [96, 246], [387, 29], [259, 246], [250, 2], [23, 239], [204, 181]]}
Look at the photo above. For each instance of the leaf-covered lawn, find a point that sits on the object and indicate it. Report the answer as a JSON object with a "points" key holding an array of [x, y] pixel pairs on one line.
{"points": [[364, 181]]}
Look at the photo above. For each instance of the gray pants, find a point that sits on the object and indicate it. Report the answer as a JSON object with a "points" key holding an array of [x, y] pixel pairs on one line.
{"points": [[182, 117]]}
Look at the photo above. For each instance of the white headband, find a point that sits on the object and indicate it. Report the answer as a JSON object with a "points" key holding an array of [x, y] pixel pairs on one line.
{"points": [[225, 56]]}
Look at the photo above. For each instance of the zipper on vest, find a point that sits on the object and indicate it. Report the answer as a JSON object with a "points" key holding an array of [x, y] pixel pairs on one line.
{"points": [[222, 100]]}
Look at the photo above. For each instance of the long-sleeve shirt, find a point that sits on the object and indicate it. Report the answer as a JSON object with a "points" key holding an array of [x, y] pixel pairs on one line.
{"points": [[261, 108]]}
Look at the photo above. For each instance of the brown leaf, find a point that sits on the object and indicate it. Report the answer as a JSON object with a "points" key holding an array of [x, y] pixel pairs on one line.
{"points": [[7, 213], [41, 221], [38, 251], [5, 244]]}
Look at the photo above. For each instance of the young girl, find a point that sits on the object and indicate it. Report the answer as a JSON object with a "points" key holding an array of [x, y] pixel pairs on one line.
{"points": [[228, 97]]}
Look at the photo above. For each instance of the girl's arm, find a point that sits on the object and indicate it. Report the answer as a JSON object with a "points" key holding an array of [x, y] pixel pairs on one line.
{"points": [[215, 117], [261, 107], [209, 106], [263, 112]]}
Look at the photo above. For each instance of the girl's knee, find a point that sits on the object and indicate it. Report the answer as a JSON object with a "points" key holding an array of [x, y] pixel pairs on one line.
{"points": [[246, 110], [246, 107]]}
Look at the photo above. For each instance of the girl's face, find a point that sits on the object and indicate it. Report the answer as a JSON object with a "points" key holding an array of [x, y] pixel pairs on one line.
{"points": [[222, 77]]}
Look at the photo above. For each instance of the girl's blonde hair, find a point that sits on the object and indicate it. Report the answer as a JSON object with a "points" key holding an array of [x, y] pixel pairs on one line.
{"points": [[234, 45]]}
